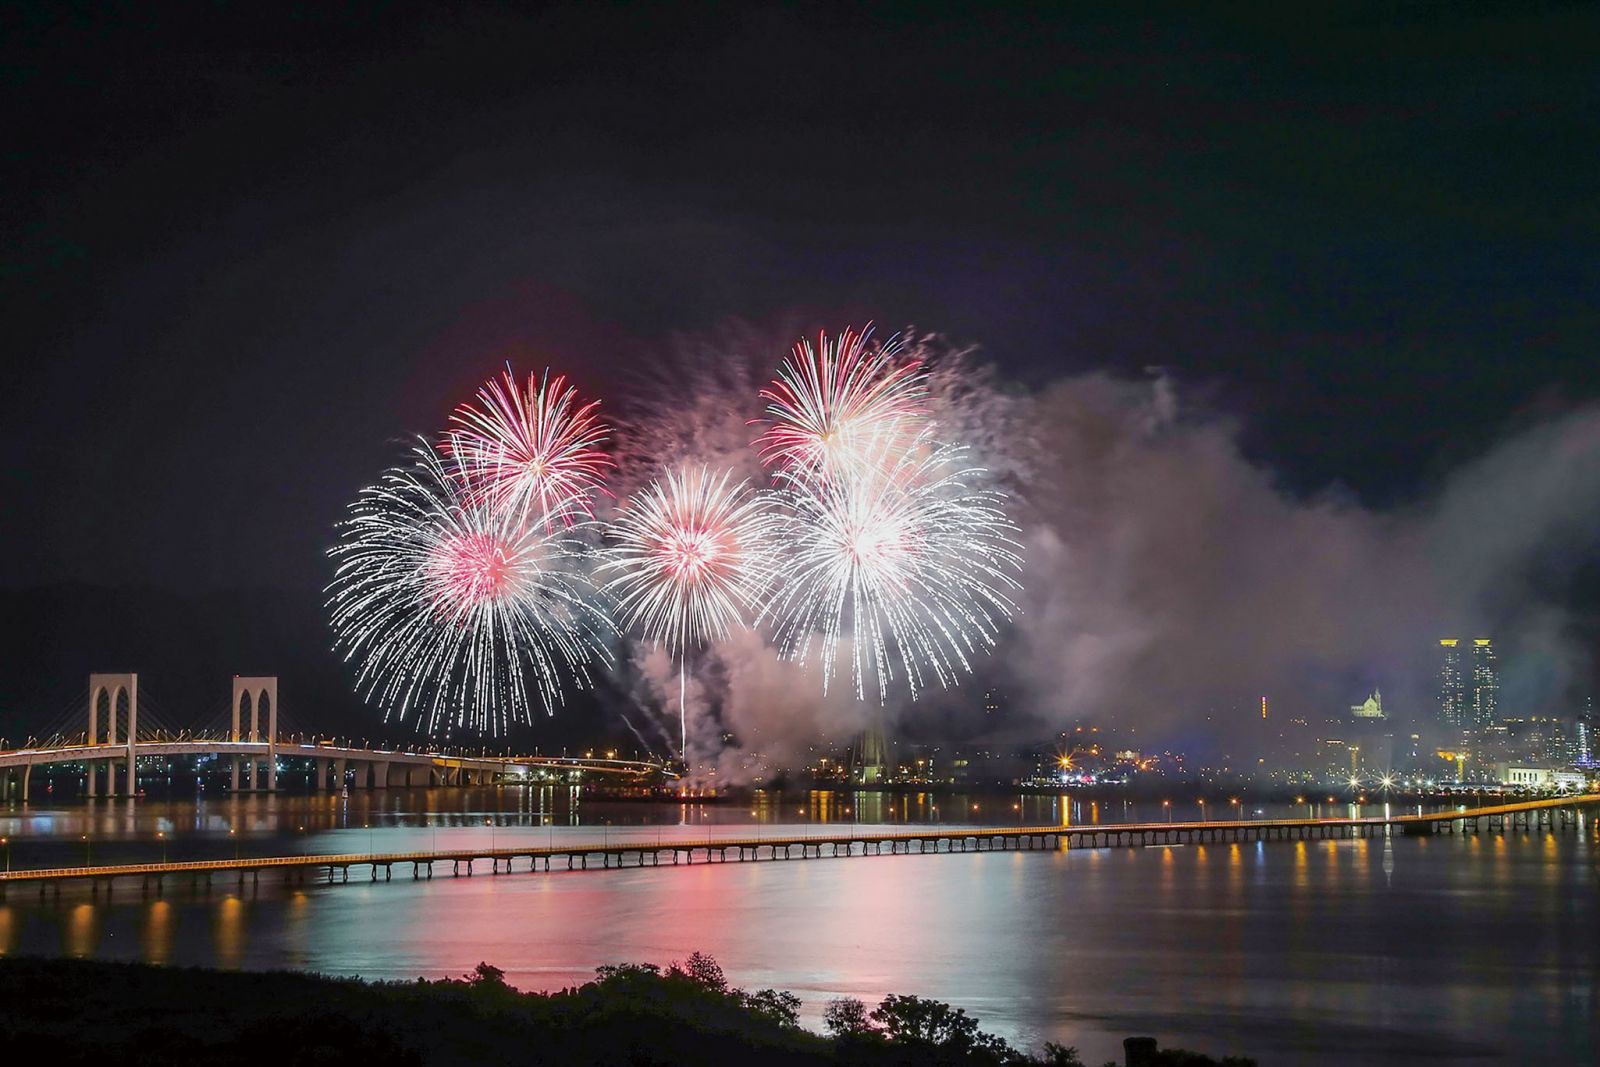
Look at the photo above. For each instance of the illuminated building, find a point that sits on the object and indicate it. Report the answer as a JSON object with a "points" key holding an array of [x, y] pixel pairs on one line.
{"points": [[1585, 749], [1371, 708], [1452, 685], [1485, 684], [1543, 778], [868, 757]]}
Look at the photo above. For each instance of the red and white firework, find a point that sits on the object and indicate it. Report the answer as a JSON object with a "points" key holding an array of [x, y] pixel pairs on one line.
{"points": [[535, 452], [840, 405], [688, 555]]}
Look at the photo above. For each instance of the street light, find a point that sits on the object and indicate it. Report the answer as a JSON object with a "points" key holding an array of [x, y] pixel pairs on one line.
{"points": [[161, 835], [86, 848], [1167, 804], [6, 843]]}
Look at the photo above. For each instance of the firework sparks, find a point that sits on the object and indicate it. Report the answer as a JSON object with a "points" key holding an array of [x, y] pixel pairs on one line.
{"points": [[906, 561], [835, 406], [687, 558], [534, 452], [457, 611]]}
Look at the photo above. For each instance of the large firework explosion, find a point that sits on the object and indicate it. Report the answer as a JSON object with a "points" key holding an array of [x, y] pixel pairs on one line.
{"points": [[459, 612], [907, 562], [688, 554], [535, 452]]}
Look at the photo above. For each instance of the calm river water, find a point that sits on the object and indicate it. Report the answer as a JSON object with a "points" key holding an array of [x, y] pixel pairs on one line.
{"points": [[1450, 950]]}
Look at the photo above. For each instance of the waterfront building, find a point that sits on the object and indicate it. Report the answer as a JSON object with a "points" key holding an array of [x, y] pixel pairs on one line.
{"points": [[1585, 748], [1469, 689], [1543, 778], [1485, 684], [1452, 685]]}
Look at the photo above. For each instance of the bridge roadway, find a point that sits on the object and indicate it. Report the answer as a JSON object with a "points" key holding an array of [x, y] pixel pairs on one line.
{"points": [[387, 767], [1553, 814]]}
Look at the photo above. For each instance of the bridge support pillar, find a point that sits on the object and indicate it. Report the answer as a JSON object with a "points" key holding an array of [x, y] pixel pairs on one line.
{"points": [[380, 775], [117, 689], [88, 784], [338, 776], [27, 779], [233, 778], [253, 696]]}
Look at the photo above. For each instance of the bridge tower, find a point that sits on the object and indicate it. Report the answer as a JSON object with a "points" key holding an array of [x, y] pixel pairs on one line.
{"points": [[119, 691], [251, 697]]}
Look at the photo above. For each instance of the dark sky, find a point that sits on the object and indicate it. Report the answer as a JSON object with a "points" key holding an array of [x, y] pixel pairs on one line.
{"points": [[248, 246]]}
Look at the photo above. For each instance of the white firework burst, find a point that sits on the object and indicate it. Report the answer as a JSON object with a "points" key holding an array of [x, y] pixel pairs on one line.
{"points": [[459, 612], [908, 562]]}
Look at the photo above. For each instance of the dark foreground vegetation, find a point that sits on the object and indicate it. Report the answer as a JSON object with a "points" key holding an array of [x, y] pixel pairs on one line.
{"points": [[74, 1011]]}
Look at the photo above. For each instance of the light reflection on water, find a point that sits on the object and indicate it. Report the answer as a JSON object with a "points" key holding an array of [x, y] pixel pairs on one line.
{"points": [[1454, 948]]}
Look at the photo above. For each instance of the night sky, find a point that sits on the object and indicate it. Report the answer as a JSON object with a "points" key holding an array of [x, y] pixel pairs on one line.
{"points": [[248, 247]]}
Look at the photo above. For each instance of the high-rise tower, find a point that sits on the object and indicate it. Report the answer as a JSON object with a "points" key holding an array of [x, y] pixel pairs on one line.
{"points": [[1452, 685], [1485, 684]]}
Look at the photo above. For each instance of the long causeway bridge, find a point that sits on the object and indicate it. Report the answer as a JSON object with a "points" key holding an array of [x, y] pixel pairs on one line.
{"points": [[1546, 816]]}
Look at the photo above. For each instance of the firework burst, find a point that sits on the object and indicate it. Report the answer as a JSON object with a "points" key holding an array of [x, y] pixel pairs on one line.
{"points": [[534, 452], [838, 405], [687, 557], [458, 612], [906, 561]]}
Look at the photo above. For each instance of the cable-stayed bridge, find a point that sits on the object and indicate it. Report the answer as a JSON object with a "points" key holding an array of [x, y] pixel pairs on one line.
{"points": [[107, 751]]}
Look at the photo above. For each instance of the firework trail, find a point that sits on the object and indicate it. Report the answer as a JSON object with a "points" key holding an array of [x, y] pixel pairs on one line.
{"points": [[457, 611], [534, 452], [906, 560], [688, 555], [839, 405]]}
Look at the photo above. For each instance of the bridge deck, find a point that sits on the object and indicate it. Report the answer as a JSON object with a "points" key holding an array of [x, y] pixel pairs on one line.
{"points": [[926, 839], [16, 759]]}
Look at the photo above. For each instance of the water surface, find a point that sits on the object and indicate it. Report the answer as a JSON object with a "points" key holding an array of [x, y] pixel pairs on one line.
{"points": [[1452, 949]]}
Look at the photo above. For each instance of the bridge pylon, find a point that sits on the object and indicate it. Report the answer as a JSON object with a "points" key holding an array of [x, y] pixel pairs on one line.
{"points": [[116, 688], [252, 695]]}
